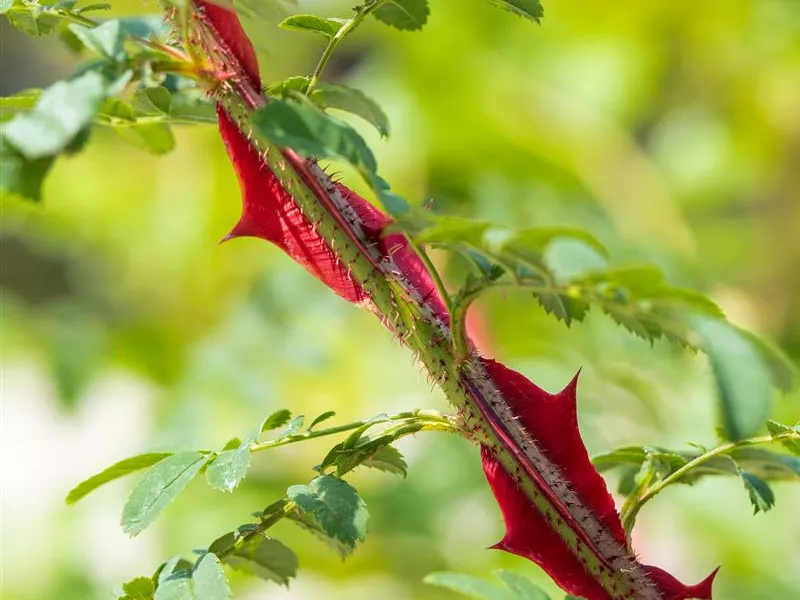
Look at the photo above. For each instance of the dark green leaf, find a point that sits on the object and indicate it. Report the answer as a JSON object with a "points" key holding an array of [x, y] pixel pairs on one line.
{"points": [[312, 24], [743, 381], [223, 544], [115, 471], [158, 488], [389, 459], [792, 444], [473, 587], [229, 468], [335, 506], [761, 496], [405, 15], [208, 579], [140, 588], [276, 419], [61, 113], [266, 558], [20, 176], [530, 9], [341, 97], [320, 418], [176, 564], [311, 132]]}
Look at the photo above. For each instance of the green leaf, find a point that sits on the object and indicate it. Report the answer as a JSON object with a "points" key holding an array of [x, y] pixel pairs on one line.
{"points": [[174, 565], [791, 444], [276, 419], [523, 588], [473, 587], [115, 471], [312, 24], [405, 15], [333, 505], [759, 492], [743, 381], [33, 18], [176, 588], [155, 138], [229, 468], [342, 97], [293, 427], [140, 588], [311, 132], [529, 9], [388, 459], [208, 579], [784, 371], [320, 418], [63, 110], [158, 488], [20, 176], [108, 39], [265, 558]]}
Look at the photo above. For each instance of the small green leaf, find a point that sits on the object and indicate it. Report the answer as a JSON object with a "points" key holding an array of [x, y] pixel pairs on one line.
{"points": [[529, 9], [743, 381], [140, 588], [115, 471], [388, 459], [276, 419], [297, 84], [792, 444], [208, 579], [293, 427], [473, 587], [320, 418], [335, 506], [405, 15], [229, 468], [312, 24], [342, 97], [158, 488], [761, 496], [265, 558], [174, 565]]}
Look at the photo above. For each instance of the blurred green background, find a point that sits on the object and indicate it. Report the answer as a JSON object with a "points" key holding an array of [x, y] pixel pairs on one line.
{"points": [[671, 130]]}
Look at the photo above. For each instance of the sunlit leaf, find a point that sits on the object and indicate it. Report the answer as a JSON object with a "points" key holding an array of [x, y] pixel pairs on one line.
{"points": [[115, 471], [311, 24], [158, 488]]}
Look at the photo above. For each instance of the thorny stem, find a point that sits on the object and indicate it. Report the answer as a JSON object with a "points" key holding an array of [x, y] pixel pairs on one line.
{"points": [[630, 511], [430, 420], [346, 28]]}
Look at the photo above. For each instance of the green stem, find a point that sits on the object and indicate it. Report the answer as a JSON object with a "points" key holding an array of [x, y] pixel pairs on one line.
{"points": [[629, 515], [431, 420], [347, 27]]}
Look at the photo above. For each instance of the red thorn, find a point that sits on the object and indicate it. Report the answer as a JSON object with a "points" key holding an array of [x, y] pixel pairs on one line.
{"points": [[572, 386]]}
